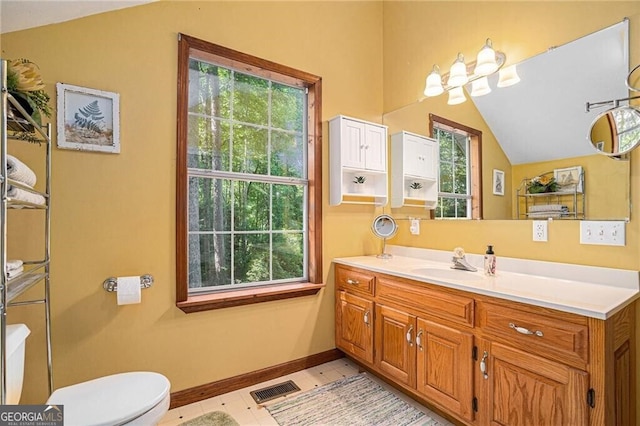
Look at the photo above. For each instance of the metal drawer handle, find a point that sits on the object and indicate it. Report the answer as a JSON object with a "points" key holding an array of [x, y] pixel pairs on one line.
{"points": [[419, 339], [366, 318], [483, 365], [409, 335], [523, 330], [352, 282]]}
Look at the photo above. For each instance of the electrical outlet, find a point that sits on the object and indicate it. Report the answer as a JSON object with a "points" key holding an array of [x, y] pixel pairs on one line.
{"points": [[540, 230], [606, 233], [415, 227]]}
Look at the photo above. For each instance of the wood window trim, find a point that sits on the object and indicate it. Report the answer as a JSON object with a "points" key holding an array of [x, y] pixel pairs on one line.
{"points": [[476, 160], [188, 46]]}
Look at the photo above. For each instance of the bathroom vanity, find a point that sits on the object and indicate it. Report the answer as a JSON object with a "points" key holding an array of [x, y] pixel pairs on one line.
{"points": [[513, 349]]}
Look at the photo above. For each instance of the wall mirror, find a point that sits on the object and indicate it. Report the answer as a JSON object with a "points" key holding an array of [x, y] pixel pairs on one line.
{"points": [[541, 124], [616, 131]]}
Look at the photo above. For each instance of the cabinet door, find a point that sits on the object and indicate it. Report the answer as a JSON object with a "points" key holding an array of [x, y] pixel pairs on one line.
{"points": [[525, 389], [445, 366], [354, 318], [420, 157], [375, 148], [352, 141], [395, 348]]}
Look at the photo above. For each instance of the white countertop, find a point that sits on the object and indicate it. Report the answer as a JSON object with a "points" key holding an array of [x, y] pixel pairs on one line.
{"points": [[584, 290]]}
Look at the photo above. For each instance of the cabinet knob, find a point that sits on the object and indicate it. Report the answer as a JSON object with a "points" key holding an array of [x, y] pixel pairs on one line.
{"points": [[366, 318], [419, 339]]}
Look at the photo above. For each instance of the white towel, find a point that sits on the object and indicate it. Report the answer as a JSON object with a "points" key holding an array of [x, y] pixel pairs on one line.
{"points": [[13, 264], [15, 272], [24, 195], [19, 171], [548, 208]]}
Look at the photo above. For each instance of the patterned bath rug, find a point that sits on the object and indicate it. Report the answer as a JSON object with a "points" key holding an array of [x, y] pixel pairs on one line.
{"points": [[353, 401], [215, 418]]}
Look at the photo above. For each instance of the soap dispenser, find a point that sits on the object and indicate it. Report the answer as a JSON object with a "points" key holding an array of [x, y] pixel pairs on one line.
{"points": [[489, 262]]}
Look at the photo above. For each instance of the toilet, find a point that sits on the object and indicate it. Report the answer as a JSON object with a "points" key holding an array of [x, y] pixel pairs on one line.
{"points": [[134, 398]]}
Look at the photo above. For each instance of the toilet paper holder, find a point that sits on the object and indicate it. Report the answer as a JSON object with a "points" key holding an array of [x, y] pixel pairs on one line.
{"points": [[111, 283]]}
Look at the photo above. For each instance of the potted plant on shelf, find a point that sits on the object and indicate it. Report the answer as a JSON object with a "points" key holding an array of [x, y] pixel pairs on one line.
{"points": [[414, 189], [358, 183], [541, 184], [25, 84]]}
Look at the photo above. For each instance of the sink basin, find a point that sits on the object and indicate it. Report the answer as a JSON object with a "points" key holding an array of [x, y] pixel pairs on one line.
{"points": [[453, 274]]}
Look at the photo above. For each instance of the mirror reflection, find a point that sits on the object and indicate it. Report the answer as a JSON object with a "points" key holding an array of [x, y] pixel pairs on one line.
{"points": [[540, 124], [617, 131]]}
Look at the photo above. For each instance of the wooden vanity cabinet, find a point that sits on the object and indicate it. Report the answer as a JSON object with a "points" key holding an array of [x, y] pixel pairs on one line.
{"points": [[524, 389], [417, 340], [355, 334], [488, 361], [354, 312]]}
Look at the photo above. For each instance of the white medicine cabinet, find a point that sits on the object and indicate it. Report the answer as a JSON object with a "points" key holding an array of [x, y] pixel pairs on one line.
{"points": [[358, 162], [414, 170]]}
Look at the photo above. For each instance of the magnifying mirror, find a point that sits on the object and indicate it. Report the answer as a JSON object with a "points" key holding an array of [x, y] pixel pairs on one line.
{"points": [[384, 227], [617, 131]]}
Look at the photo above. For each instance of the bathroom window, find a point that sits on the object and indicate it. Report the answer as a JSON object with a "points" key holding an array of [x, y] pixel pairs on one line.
{"points": [[460, 195], [248, 179]]}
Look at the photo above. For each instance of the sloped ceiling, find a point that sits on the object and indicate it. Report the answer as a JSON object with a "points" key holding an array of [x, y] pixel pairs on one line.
{"points": [[544, 116], [18, 15]]}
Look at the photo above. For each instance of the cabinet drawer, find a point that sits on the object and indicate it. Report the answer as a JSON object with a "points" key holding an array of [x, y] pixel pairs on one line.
{"points": [[444, 305], [354, 280], [544, 334]]}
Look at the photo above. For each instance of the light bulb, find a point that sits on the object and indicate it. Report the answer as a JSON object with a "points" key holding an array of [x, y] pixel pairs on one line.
{"points": [[486, 61], [456, 96], [433, 85], [508, 76], [480, 87], [458, 74]]}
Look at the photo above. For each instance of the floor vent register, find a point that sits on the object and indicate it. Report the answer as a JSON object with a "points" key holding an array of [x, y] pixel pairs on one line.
{"points": [[274, 391]]}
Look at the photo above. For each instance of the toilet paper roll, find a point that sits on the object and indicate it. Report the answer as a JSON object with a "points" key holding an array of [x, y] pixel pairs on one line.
{"points": [[129, 290]]}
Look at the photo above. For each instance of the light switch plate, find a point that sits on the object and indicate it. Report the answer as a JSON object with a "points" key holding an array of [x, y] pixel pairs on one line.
{"points": [[602, 232]]}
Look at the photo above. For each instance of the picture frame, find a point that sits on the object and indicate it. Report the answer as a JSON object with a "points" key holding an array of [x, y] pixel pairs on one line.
{"points": [[498, 182], [88, 119], [569, 179]]}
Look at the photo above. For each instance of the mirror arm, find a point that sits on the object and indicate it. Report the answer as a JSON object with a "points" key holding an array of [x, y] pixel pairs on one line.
{"points": [[614, 102]]}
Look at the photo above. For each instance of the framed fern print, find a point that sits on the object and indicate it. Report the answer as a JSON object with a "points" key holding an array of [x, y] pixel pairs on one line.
{"points": [[88, 119]]}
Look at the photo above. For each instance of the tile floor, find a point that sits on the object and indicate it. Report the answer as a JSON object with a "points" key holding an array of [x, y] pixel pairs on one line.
{"points": [[241, 406]]}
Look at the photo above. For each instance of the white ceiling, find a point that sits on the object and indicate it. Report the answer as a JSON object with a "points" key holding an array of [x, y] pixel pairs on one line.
{"points": [[18, 15], [544, 117]]}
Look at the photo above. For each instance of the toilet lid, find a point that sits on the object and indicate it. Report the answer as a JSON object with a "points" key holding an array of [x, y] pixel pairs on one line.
{"points": [[111, 400]]}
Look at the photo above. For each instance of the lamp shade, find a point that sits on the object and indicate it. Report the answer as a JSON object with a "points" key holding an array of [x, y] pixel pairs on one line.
{"points": [[456, 96], [458, 73], [508, 76], [433, 85], [486, 62], [480, 87]]}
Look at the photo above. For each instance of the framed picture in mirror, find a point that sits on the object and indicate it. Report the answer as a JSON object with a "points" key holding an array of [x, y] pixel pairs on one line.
{"points": [[569, 179], [498, 182]]}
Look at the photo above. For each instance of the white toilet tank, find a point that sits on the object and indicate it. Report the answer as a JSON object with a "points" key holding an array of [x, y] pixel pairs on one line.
{"points": [[16, 337]]}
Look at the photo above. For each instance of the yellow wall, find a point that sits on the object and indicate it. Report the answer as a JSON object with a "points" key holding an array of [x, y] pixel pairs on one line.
{"points": [[114, 214], [420, 34], [605, 180]]}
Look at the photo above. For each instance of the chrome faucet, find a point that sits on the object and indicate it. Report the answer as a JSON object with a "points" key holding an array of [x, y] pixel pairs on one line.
{"points": [[459, 261]]}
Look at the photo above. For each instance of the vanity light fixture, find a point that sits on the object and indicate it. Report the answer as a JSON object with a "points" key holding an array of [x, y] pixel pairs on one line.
{"points": [[487, 63]]}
